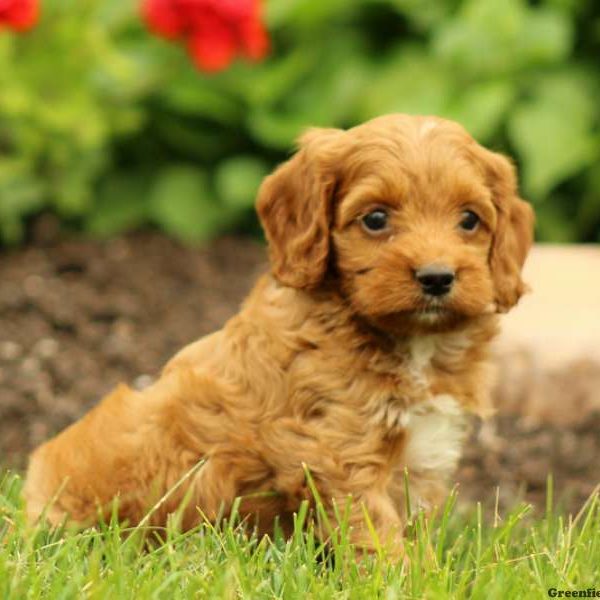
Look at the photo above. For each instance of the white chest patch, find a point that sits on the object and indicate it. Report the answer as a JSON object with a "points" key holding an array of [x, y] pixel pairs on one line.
{"points": [[421, 351], [435, 428], [435, 432]]}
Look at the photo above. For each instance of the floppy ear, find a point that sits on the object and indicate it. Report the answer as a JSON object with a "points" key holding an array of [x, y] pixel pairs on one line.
{"points": [[295, 205], [514, 232]]}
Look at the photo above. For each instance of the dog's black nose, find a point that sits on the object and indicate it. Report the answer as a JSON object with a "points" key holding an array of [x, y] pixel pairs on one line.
{"points": [[436, 280]]}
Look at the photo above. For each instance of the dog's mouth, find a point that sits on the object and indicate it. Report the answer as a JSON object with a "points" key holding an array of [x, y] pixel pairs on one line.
{"points": [[432, 311], [434, 316], [433, 306], [431, 314]]}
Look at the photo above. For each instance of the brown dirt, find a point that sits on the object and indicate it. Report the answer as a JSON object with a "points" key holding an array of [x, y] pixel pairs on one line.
{"points": [[77, 317]]}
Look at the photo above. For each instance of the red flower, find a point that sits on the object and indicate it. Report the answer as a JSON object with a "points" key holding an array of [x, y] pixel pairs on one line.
{"points": [[19, 15], [215, 31]]}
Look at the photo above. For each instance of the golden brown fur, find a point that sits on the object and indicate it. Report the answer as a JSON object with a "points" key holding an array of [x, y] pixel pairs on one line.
{"points": [[336, 359]]}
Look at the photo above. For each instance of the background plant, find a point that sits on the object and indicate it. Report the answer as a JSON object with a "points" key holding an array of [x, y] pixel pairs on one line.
{"points": [[113, 129]]}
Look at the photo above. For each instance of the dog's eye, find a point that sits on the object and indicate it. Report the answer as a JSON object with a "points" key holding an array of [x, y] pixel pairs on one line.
{"points": [[375, 221], [469, 220]]}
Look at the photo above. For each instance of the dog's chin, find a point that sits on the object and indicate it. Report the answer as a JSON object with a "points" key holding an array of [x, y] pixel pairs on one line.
{"points": [[435, 318], [432, 315], [425, 318], [417, 321], [410, 313]]}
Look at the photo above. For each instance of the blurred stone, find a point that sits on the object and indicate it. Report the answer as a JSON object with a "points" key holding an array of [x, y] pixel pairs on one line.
{"points": [[31, 366], [33, 286], [46, 348], [549, 351], [10, 350], [142, 382], [10, 295]]}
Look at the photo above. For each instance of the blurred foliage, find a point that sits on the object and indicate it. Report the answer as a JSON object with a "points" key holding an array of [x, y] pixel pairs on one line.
{"points": [[113, 129]]}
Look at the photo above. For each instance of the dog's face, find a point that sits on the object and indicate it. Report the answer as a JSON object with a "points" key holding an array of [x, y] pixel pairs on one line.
{"points": [[419, 225]]}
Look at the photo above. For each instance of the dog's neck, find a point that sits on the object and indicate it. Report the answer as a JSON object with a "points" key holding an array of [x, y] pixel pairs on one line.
{"points": [[347, 347], [326, 313]]}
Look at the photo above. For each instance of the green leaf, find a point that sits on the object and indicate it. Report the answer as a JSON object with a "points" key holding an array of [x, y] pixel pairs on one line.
{"points": [[122, 205], [182, 204], [273, 80], [482, 36], [333, 92], [308, 14], [553, 132], [588, 211], [277, 130], [482, 107], [20, 191], [76, 170], [190, 95], [549, 37], [553, 224], [424, 15], [238, 179], [491, 37], [329, 95], [411, 82], [20, 195]]}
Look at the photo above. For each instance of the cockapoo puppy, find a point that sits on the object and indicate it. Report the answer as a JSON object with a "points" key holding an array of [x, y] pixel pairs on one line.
{"points": [[393, 247]]}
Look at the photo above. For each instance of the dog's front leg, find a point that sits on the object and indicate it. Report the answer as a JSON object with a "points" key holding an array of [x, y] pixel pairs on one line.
{"points": [[372, 520]]}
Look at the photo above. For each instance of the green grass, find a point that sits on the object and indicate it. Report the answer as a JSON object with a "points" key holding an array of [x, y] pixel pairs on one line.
{"points": [[520, 555]]}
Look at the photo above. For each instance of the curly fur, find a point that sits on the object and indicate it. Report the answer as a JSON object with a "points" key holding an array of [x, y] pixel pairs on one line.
{"points": [[335, 361]]}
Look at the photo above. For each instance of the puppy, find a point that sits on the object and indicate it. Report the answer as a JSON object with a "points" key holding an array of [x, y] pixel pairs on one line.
{"points": [[393, 247]]}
